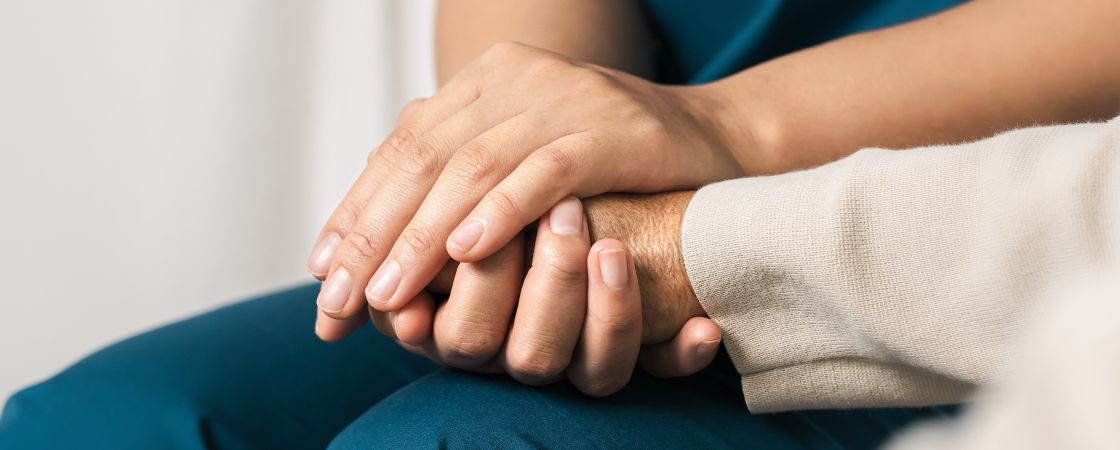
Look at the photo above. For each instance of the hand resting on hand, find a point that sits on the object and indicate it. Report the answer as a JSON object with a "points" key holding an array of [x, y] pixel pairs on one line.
{"points": [[582, 312]]}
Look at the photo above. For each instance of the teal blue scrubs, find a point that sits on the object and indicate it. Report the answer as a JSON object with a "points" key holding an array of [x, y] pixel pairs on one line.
{"points": [[253, 375]]}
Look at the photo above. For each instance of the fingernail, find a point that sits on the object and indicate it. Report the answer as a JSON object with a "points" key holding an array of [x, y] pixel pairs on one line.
{"points": [[319, 263], [467, 235], [612, 267], [318, 330], [335, 291], [566, 218], [706, 348], [384, 283]]}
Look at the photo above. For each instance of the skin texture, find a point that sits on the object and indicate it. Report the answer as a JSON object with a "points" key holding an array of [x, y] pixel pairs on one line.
{"points": [[567, 321], [472, 158], [463, 170], [611, 34], [963, 74], [514, 130], [650, 226]]}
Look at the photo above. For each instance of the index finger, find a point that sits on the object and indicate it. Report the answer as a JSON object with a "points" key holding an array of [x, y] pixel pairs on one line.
{"points": [[353, 202]]}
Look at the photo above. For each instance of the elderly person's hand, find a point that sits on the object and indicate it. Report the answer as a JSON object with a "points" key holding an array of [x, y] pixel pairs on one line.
{"points": [[583, 312], [510, 135]]}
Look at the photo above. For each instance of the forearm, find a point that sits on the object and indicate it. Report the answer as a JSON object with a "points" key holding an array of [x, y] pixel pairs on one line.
{"points": [[900, 278], [960, 75], [611, 33]]}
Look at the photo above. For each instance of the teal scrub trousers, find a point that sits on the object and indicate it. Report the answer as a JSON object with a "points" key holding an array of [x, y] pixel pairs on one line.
{"points": [[254, 376]]}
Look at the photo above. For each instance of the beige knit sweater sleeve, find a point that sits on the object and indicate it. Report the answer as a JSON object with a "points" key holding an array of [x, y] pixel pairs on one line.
{"points": [[899, 278]]}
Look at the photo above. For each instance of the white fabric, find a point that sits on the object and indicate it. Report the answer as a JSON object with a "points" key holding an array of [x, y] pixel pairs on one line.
{"points": [[163, 157], [1060, 394], [900, 278]]}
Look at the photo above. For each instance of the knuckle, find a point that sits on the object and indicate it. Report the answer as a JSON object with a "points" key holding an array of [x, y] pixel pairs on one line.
{"points": [[544, 65], [417, 240], [646, 124], [470, 343], [474, 163], [373, 155], [397, 144], [617, 325], [555, 163], [466, 353], [409, 111], [505, 203], [346, 217], [564, 268], [602, 386], [362, 245], [502, 51], [593, 82], [535, 372], [534, 364], [419, 162]]}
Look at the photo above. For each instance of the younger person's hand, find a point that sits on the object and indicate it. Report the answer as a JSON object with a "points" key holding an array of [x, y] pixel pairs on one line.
{"points": [[514, 132]]}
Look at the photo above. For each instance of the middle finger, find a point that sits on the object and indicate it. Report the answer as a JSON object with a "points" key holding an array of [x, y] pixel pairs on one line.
{"points": [[550, 311]]}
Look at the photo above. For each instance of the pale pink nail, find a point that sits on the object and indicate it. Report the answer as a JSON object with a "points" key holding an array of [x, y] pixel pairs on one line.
{"points": [[320, 261], [467, 235], [706, 349], [612, 267], [384, 283], [335, 291], [566, 218]]}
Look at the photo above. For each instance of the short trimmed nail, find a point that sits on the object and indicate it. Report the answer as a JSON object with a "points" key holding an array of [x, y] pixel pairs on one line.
{"points": [[468, 235], [706, 348], [320, 261], [566, 218], [335, 291], [384, 283], [612, 267]]}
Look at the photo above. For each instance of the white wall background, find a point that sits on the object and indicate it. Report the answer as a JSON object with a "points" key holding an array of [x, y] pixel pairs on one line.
{"points": [[161, 158]]}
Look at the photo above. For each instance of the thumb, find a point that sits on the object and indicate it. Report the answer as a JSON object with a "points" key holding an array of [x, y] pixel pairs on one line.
{"points": [[690, 351]]}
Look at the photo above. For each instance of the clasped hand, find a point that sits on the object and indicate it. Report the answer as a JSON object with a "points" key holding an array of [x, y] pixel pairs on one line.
{"points": [[465, 171]]}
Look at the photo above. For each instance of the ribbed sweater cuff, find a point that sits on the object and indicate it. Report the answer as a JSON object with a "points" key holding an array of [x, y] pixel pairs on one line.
{"points": [[739, 237]]}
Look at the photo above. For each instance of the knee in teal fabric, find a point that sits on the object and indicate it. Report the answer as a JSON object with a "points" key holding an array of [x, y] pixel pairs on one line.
{"points": [[452, 409], [252, 375]]}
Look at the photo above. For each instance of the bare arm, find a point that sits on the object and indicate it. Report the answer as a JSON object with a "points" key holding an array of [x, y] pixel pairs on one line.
{"points": [[608, 33], [963, 74], [489, 153]]}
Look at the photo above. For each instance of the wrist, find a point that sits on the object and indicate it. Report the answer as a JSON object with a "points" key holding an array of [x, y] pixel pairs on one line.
{"points": [[675, 207], [650, 225], [737, 110]]}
